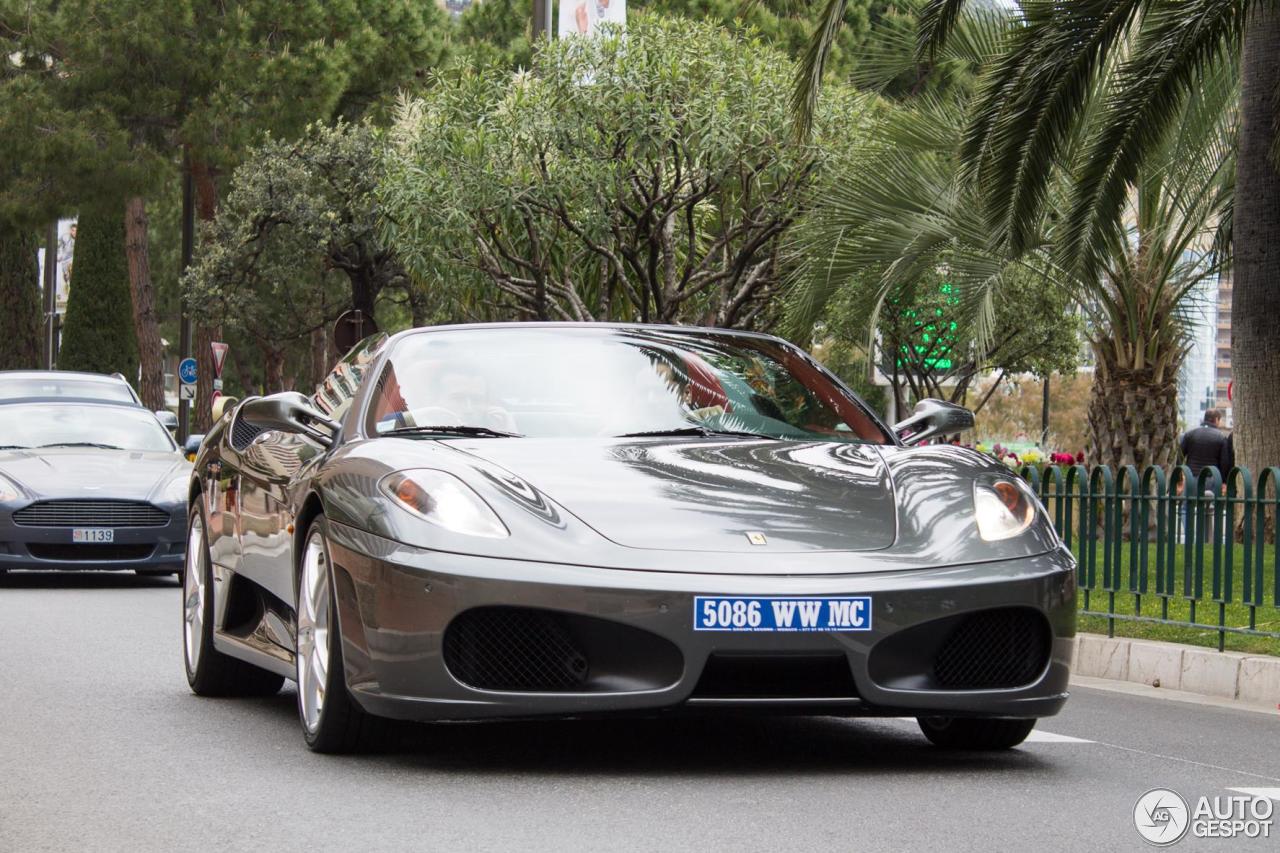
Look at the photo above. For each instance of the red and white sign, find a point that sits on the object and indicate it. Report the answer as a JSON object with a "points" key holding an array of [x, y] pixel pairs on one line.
{"points": [[219, 356]]}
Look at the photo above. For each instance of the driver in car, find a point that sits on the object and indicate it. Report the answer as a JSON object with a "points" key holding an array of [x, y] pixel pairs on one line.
{"points": [[461, 398]]}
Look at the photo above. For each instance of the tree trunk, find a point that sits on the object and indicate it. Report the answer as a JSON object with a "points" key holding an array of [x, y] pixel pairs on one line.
{"points": [[273, 369], [1255, 300], [1133, 414], [150, 352], [364, 294], [206, 207], [20, 298], [319, 356]]}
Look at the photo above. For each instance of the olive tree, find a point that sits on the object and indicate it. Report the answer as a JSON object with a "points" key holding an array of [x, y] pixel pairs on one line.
{"points": [[294, 243], [651, 177]]}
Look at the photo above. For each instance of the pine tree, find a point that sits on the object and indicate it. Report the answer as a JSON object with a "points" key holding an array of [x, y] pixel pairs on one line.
{"points": [[99, 335], [20, 298]]}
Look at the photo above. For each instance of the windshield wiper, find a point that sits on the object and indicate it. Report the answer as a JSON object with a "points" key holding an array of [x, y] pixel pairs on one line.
{"points": [[705, 432], [83, 444], [478, 431]]}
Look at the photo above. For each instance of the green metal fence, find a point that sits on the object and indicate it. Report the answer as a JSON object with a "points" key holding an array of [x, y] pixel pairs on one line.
{"points": [[1163, 546]]}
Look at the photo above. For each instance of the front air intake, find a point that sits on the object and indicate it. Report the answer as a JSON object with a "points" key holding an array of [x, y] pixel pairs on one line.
{"points": [[514, 648], [1007, 647]]}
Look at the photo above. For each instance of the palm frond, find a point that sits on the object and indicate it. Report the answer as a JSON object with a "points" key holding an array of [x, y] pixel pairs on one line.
{"points": [[1170, 59], [813, 63], [1028, 106], [938, 20], [977, 38]]}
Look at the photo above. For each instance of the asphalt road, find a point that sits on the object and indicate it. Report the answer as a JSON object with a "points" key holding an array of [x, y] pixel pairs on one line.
{"points": [[102, 747]]}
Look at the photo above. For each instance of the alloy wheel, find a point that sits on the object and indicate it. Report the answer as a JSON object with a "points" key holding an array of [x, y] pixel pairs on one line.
{"points": [[193, 595], [314, 614]]}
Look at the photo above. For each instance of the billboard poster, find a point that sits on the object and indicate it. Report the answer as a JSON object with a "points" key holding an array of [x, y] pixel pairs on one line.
{"points": [[583, 17]]}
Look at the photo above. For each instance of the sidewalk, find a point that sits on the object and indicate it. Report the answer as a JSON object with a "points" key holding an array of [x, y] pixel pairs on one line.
{"points": [[1247, 678]]}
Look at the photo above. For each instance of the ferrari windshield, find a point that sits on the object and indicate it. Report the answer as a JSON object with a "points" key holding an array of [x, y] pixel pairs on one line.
{"points": [[43, 425], [579, 382]]}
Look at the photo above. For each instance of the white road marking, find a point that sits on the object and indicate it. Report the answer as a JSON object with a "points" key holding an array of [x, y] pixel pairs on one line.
{"points": [[1269, 793], [1038, 736]]}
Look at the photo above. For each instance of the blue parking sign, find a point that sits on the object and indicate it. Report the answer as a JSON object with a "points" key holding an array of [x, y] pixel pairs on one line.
{"points": [[187, 371]]}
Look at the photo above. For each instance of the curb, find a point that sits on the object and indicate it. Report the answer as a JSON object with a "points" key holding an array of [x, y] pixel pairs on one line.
{"points": [[1245, 678]]}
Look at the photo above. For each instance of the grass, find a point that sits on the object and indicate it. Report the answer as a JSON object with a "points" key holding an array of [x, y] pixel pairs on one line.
{"points": [[1236, 614]]}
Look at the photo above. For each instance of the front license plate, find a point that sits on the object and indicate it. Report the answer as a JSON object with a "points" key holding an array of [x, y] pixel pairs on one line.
{"points": [[92, 534], [717, 613]]}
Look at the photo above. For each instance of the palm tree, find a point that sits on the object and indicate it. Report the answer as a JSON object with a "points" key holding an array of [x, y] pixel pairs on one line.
{"points": [[1129, 67], [908, 209]]}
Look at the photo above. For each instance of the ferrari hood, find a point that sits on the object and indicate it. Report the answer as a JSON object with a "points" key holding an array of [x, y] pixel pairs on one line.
{"points": [[85, 472], [711, 495]]}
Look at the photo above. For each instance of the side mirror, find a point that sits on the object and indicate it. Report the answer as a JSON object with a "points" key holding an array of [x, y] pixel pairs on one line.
{"points": [[191, 447], [291, 412], [222, 405], [167, 419], [932, 418]]}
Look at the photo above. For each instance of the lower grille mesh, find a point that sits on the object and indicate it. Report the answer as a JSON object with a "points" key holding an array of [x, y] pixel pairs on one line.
{"points": [[89, 553], [994, 648], [514, 648]]}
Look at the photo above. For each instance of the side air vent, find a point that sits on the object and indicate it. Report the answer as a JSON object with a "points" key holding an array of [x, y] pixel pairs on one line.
{"points": [[1008, 647], [514, 648], [243, 433]]}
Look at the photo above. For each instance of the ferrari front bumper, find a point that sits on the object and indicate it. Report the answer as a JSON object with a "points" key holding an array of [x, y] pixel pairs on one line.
{"points": [[396, 604]]}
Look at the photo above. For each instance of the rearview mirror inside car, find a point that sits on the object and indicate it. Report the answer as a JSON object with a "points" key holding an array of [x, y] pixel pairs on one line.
{"points": [[289, 411], [932, 418]]}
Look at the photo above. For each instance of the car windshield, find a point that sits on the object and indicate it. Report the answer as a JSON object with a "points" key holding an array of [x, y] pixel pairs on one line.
{"points": [[53, 386], [579, 382], [24, 425]]}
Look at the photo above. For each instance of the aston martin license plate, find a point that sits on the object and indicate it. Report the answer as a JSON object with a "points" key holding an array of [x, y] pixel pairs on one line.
{"points": [[92, 534], [771, 613]]}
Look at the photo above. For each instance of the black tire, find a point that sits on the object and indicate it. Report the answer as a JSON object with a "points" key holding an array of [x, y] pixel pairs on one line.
{"points": [[342, 725], [975, 733], [214, 673]]}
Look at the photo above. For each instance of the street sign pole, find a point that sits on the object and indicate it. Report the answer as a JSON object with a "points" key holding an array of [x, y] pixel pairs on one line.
{"points": [[184, 336], [541, 19], [50, 290]]}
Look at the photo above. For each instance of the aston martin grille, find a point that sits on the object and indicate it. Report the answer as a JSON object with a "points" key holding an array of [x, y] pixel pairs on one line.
{"points": [[1008, 647], [514, 648], [91, 513]]}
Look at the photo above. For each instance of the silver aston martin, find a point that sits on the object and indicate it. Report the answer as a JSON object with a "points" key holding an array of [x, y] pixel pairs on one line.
{"points": [[478, 522]]}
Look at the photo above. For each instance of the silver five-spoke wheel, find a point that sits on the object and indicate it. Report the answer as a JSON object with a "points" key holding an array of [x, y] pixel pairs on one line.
{"points": [[193, 595], [314, 614]]}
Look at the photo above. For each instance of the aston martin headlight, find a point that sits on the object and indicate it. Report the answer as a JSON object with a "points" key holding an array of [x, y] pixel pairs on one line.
{"points": [[176, 491], [1003, 509], [8, 491], [443, 500]]}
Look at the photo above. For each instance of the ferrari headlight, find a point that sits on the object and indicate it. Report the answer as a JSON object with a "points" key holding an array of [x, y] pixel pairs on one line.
{"points": [[8, 491], [1003, 509], [443, 500]]}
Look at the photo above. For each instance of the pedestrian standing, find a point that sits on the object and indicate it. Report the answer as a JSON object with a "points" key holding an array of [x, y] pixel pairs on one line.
{"points": [[1206, 444], [1203, 447]]}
